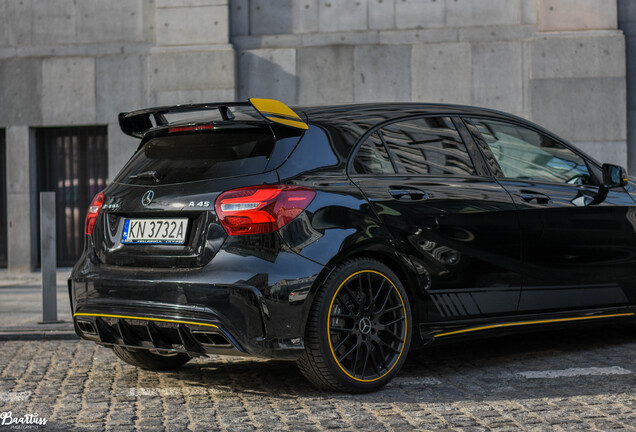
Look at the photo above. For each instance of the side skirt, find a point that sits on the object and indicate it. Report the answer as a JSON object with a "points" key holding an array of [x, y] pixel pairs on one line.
{"points": [[430, 332]]}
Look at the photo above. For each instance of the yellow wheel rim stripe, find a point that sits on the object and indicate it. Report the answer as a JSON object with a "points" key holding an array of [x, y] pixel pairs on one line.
{"points": [[329, 325]]}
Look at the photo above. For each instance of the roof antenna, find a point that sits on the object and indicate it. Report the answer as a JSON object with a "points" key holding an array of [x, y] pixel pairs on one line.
{"points": [[226, 114]]}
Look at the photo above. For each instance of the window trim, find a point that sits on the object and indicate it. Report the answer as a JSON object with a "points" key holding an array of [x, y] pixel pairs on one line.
{"points": [[386, 149]]}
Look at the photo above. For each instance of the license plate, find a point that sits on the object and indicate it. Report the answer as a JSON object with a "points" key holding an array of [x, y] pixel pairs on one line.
{"points": [[161, 231]]}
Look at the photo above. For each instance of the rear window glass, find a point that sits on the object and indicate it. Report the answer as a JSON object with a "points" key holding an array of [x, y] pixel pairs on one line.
{"points": [[429, 146], [372, 157], [200, 156]]}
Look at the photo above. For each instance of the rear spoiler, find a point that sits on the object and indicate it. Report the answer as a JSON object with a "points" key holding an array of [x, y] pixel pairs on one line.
{"points": [[137, 123]]}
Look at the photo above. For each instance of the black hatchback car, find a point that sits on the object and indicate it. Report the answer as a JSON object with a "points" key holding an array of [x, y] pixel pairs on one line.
{"points": [[340, 236]]}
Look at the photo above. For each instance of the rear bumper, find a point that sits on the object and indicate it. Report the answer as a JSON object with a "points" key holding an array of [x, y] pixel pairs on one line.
{"points": [[164, 334], [236, 305]]}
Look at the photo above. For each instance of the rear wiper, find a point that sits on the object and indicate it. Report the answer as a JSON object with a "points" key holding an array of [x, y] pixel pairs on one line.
{"points": [[156, 175]]}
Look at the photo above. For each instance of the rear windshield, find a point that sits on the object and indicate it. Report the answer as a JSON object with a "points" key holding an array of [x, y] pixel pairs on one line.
{"points": [[200, 156]]}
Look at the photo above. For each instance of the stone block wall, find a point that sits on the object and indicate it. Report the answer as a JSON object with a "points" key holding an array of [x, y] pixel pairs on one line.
{"points": [[80, 63], [560, 63], [64, 62], [627, 23]]}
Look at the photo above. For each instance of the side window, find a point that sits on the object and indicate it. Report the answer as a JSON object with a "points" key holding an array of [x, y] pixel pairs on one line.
{"points": [[372, 158], [428, 145], [525, 154]]}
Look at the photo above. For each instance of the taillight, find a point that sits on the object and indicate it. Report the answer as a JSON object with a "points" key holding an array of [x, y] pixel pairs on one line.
{"points": [[190, 128], [261, 209], [93, 211]]}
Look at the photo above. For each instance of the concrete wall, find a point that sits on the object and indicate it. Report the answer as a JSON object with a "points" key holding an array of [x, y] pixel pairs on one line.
{"points": [[627, 23], [81, 63], [560, 63], [78, 63]]}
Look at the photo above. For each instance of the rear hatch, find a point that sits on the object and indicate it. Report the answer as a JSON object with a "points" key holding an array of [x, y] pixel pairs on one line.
{"points": [[159, 211]]}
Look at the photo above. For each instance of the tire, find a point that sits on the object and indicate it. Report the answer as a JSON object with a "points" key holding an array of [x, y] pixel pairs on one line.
{"points": [[358, 330], [146, 359]]}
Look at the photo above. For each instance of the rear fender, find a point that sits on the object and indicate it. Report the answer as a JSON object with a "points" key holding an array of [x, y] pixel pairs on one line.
{"points": [[386, 253]]}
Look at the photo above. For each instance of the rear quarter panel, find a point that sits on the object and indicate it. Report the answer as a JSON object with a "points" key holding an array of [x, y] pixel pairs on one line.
{"points": [[339, 224]]}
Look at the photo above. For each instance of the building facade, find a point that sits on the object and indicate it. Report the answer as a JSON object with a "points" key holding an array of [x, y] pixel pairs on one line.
{"points": [[68, 67]]}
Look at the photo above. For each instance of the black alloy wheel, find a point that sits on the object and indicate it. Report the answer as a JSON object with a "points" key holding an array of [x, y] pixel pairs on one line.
{"points": [[362, 321]]}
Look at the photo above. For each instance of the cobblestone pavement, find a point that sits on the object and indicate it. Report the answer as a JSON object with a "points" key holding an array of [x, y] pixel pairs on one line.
{"points": [[582, 379]]}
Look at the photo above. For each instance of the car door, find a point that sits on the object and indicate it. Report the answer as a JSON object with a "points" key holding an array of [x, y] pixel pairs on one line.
{"points": [[455, 221], [578, 239]]}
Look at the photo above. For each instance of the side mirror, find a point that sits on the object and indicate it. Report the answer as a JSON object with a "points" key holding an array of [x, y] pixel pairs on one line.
{"points": [[614, 176]]}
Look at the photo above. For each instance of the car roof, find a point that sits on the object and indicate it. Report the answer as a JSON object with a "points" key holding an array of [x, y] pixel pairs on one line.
{"points": [[380, 112], [348, 123]]}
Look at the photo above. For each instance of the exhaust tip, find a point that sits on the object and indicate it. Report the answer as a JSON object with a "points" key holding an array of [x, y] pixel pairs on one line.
{"points": [[86, 327], [211, 339]]}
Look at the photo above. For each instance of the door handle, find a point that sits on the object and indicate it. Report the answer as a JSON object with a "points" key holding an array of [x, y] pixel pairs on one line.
{"points": [[407, 193], [534, 197]]}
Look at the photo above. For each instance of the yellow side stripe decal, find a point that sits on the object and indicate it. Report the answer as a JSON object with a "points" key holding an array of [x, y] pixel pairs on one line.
{"points": [[513, 324], [144, 319]]}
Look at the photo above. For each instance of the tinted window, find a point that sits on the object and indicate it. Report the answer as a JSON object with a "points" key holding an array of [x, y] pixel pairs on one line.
{"points": [[182, 158], [428, 145], [372, 157], [523, 153]]}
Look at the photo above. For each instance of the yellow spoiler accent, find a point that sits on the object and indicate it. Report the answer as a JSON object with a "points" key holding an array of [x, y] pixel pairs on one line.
{"points": [[278, 112]]}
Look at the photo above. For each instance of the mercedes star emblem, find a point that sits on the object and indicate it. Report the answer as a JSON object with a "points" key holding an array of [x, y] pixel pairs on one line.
{"points": [[147, 198], [365, 326]]}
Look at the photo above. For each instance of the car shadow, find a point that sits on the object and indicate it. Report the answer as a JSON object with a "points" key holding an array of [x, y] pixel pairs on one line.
{"points": [[471, 370]]}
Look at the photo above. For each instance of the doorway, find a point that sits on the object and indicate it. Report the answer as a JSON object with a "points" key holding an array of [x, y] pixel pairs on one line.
{"points": [[73, 163]]}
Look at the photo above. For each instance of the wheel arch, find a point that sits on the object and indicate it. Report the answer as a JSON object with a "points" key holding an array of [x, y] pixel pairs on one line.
{"points": [[396, 261]]}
